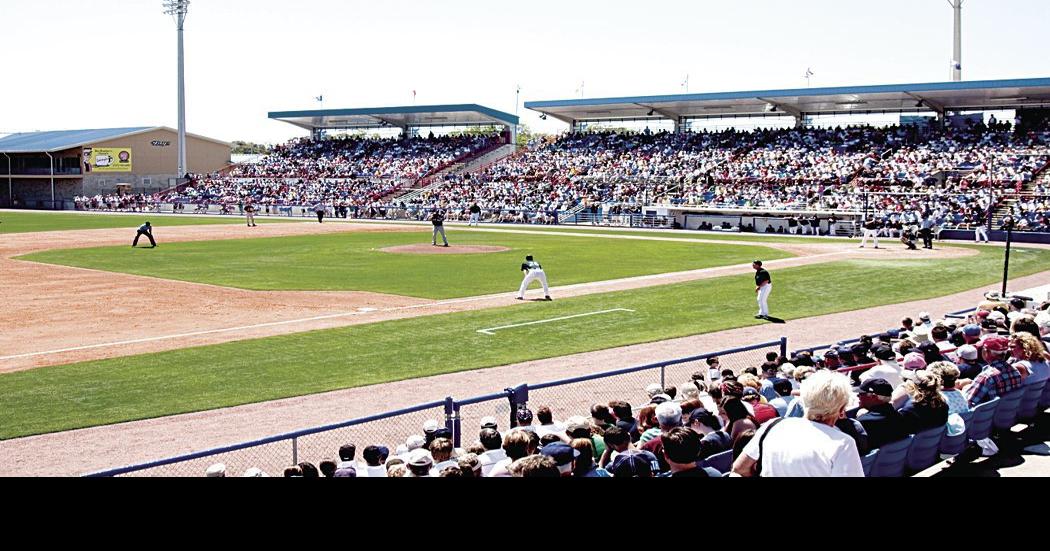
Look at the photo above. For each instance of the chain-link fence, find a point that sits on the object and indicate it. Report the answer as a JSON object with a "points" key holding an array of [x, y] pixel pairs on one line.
{"points": [[275, 453], [566, 398]]}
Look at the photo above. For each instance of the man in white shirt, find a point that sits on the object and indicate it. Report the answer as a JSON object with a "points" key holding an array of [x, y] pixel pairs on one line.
{"points": [[441, 450], [806, 447], [547, 423], [375, 457], [493, 444], [516, 444]]}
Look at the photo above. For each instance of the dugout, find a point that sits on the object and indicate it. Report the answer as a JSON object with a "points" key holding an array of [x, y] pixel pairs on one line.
{"points": [[46, 170]]}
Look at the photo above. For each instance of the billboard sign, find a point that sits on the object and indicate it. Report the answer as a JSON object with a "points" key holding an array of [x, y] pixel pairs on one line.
{"points": [[107, 159]]}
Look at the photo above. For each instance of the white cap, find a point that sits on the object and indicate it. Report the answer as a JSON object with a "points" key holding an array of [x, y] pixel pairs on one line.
{"points": [[996, 315], [654, 389], [215, 471], [431, 425], [490, 420], [924, 316], [419, 458], [255, 472], [1043, 319], [415, 442]]}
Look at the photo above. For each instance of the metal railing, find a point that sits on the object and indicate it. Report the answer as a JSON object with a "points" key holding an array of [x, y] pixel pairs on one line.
{"points": [[565, 397]]}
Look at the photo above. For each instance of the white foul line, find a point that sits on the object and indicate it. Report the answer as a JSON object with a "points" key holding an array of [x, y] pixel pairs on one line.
{"points": [[490, 330]]}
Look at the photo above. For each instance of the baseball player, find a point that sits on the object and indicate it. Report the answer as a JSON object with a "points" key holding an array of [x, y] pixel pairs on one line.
{"points": [[833, 225], [871, 229], [763, 286], [533, 271], [249, 214], [146, 230], [979, 230], [319, 209], [438, 219], [475, 214]]}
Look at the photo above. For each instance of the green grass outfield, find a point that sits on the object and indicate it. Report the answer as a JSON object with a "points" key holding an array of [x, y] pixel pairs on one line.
{"points": [[27, 222], [202, 378], [351, 261]]}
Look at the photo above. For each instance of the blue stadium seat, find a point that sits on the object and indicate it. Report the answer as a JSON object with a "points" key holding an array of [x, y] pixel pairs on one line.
{"points": [[954, 445], [722, 462], [891, 458], [981, 425], [868, 461], [1029, 407], [1006, 413], [923, 450], [1045, 401]]}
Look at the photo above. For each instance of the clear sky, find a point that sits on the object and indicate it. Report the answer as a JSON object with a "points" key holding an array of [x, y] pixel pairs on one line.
{"points": [[108, 63]]}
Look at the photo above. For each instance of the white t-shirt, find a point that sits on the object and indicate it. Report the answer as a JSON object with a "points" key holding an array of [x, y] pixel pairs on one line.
{"points": [[800, 447], [489, 460]]}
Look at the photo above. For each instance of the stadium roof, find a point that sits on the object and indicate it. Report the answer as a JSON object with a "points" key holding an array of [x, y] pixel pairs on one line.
{"points": [[934, 97], [60, 140], [396, 117]]}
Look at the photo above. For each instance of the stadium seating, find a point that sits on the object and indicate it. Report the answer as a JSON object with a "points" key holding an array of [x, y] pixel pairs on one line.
{"points": [[981, 425], [922, 453], [954, 445], [1007, 410], [721, 462], [1029, 407], [892, 458], [868, 461]]}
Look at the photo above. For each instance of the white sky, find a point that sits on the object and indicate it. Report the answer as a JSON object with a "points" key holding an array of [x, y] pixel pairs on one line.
{"points": [[109, 63]]}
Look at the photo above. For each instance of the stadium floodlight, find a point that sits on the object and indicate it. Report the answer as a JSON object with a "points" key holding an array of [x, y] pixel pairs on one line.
{"points": [[178, 9]]}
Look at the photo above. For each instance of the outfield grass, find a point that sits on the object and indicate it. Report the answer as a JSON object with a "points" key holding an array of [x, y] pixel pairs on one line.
{"points": [[352, 261], [124, 389], [27, 222]]}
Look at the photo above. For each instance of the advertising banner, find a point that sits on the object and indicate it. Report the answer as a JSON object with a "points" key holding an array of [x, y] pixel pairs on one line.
{"points": [[107, 159]]}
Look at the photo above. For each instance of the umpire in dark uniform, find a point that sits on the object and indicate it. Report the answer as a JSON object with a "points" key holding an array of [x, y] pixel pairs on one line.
{"points": [[146, 230]]}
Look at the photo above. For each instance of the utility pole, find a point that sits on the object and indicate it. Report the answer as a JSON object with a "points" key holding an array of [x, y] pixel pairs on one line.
{"points": [[956, 69], [178, 9]]}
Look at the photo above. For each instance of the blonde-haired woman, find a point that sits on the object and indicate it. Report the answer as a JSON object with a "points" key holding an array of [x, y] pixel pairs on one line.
{"points": [[927, 409], [1029, 357], [957, 404]]}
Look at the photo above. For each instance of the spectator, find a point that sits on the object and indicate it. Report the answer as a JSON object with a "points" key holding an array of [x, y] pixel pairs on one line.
{"points": [[680, 450], [763, 412], [810, 446], [375, 457], [441, 453], [516, 445], [585, 467], [625, 419], [713, 439], [564, 456], [928, 408], [783, 388], [419, 463], [1030, 357], [308, 470], [469, 464], [347, 452], [547, 423], [738, 418], [998, 378], [217, 470], [668, 416], [539, 466], [327, 468], [881, 421], [494, 453], [957, 403]]}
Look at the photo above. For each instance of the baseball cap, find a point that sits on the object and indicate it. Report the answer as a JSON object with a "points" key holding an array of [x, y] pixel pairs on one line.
{"points": [[488, 422], [701, 415], [443, 432], [524, 416], [996, 344], [972, 330], [660, 399], [430, 426], [255, 472], [914, 360], [996, 316], [750, 393], [419, 458], [562, 453], [883, 352], [831, 353], [631, 464], [924, 316], [345, 472], [415, 442], [967, 352], [878, 387], [217, 470], [981, 314], [654, 389]]}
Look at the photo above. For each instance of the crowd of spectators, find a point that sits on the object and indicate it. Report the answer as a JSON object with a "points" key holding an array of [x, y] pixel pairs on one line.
{"points": [[829, 407], [953, 174]]}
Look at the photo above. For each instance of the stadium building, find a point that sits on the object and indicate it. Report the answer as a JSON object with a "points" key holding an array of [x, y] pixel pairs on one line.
{"points": [[47, 169]]}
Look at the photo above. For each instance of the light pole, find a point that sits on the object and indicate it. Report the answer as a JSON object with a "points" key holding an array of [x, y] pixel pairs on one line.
{"points": [[1008, 223], [177, 9]]}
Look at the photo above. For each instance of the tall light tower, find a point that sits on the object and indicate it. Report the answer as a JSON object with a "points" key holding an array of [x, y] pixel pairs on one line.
{"points": [[177, 9], [957, 42]]}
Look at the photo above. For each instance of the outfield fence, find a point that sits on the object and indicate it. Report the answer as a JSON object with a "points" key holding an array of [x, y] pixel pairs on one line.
{"points": [[565, 397]]}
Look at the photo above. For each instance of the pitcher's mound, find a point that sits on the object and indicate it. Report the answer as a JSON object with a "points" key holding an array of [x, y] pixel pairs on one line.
{"points": [[422, 248]]}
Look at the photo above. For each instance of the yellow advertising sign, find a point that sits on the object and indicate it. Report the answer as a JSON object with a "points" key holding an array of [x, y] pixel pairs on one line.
{"points": [[107, 159]]}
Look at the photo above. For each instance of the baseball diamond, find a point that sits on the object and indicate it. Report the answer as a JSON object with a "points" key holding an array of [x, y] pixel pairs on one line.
{"points": [[776, 270]]}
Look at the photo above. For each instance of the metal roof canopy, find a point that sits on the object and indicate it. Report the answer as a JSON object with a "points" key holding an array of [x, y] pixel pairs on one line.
{"points": [[61, 140], [935, 97], [396, 117]]}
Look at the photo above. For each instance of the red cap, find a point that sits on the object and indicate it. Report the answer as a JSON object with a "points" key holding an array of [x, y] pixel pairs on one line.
{"points": [[996, 343]]}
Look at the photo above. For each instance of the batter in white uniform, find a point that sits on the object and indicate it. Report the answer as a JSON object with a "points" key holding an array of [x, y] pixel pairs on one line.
{"points": [[533, 271]]}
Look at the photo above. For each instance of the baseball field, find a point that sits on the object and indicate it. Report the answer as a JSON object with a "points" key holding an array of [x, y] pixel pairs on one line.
{"points": [[221, 315]]}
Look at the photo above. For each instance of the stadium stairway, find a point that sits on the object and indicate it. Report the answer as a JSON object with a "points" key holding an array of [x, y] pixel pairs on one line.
{"points": [[472, 162]]}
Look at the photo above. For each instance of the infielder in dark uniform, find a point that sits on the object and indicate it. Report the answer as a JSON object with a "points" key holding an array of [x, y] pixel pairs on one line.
{"points": [[249, 212], [438, 219], [763, 286], [146, 230]]}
